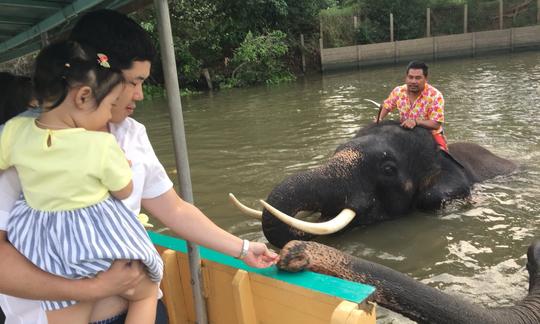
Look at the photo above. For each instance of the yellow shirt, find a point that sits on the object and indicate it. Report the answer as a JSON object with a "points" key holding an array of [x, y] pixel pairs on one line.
{"points": [[76, 170]]}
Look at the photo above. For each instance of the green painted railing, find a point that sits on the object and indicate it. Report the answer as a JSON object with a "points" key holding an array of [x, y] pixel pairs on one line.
{"points": [[347, 290]]}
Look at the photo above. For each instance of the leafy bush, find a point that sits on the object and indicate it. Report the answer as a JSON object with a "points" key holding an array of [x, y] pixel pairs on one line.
{"points": [[259, 59], [153, 91]]}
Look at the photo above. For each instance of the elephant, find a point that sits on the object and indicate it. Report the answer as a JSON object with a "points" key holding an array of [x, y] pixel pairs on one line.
{"points": [[384, 172], [405, 295]]}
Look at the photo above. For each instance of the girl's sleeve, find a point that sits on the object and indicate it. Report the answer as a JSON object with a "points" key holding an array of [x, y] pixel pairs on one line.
{"points": [[4, 148], [116, 172], [10, 187]]}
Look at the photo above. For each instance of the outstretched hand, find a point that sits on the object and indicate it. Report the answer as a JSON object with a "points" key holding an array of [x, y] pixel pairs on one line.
{"points": [[259, 256]]}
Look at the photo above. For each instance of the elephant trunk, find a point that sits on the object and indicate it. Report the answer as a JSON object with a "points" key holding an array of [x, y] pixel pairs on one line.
{"points": [[305, 191], [404, 295]]}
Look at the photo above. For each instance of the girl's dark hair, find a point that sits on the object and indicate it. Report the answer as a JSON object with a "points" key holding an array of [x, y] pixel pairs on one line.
{"points": [[117, 35], [15, 95], [66, 64]]}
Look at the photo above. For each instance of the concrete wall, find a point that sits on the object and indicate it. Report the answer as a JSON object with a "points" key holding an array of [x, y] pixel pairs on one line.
{"points": [[432, 48]]}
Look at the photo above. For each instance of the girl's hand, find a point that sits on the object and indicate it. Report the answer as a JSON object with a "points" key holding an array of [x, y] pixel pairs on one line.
{"points": [[259, 256]]}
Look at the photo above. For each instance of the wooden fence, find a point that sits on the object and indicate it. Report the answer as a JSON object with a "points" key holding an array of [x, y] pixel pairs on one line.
{"points": [[431, 48]]}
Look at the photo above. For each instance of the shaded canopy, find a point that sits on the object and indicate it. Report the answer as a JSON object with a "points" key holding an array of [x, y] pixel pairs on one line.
{"points": [[25, 25]]}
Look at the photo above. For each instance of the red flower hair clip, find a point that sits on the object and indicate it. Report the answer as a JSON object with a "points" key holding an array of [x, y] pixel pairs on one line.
{"points": [[103, 60]]}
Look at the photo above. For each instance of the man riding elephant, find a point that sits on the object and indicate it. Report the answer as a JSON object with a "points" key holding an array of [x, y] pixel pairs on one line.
{"points": [[419, 103]]}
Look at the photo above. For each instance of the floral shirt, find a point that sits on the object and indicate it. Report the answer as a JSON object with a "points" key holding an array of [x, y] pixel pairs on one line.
{"points": [[428, 106]]}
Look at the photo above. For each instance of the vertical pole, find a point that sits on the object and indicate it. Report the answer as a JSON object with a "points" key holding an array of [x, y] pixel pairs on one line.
{"points": [[302, 47], [391, 27], [321, 48], [355, 28], [321, 32], [180, 148], [465, 18], [500, 14], [538, 11], [428, 22], [321, 43]]}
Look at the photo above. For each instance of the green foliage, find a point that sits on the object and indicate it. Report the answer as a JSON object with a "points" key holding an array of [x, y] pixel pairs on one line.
{"points": [[153, 91], [338, 25], [206, 33], [221, 35], [259, 59], [156, 91], [409, 20]]}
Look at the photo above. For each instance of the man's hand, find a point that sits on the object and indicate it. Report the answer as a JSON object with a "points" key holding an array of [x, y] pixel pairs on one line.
{"points": [[259, 256], [122, 276], [409, 124]]}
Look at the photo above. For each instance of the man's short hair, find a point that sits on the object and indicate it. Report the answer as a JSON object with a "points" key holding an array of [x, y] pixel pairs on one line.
{"points": [[115, 35], [416, 65]]}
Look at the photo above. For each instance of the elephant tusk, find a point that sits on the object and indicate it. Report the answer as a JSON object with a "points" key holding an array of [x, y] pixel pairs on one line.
{"points": [[373, 102], [329, 227], [245, 209]]}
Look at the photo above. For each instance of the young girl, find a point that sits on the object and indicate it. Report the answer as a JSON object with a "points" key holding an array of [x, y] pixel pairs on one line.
{"points": [[71, 222]]}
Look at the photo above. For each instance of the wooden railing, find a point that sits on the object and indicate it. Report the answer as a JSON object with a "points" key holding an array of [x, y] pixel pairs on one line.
{"points": [[238, 294]]}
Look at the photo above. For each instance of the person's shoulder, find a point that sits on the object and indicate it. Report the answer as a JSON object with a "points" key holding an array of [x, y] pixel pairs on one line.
{"points": [[433, 91], [18, 122], [400, 88], [128, 126]]}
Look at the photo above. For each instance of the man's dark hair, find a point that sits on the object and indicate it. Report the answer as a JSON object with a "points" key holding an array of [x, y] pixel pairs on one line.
{"points": [[115, 35], [15, 95], [416, 65]]}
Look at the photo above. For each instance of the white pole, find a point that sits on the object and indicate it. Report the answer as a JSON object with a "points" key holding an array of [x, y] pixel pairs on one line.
{"points": [[180, 148], [465, 18], [391, 27], [501, 14], [428, 22], [302, 48], [538, 11]]}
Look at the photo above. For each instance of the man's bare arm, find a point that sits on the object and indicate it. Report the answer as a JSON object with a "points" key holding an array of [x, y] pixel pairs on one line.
{"points": [[21, 278], [428, 124]]}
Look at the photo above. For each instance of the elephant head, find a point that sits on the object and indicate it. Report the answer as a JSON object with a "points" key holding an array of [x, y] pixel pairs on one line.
{"points": [[384, 172], [407, 296]]}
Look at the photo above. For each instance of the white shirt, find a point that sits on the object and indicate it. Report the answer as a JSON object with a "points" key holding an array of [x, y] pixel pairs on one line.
{"points": [[149, 181]]}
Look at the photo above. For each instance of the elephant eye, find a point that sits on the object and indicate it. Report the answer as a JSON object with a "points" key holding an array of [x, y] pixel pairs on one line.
{"points": [[389, 169]]}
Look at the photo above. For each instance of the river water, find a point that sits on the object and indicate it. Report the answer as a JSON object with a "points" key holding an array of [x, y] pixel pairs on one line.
{"points": [[246, 141]]}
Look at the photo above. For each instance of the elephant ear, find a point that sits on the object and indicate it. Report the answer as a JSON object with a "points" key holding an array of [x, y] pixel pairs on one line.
{"points": [[449, 182], [452, 158]]}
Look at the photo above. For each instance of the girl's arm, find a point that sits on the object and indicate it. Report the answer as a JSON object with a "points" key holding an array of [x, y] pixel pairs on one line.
{"points": [[20, 278], [116, 170], [189, 222], [124, 192]]}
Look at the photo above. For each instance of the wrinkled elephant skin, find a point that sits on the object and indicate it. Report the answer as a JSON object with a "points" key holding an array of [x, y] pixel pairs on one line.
{"points": [[413, 299]]}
